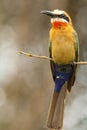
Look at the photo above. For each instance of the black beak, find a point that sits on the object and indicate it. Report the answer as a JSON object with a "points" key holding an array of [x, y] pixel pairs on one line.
{"points": [[49, 13]]}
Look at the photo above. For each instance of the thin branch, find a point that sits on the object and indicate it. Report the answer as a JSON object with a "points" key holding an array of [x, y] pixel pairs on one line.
{"points": [[48, 58], [81, 63], [35, 56]]}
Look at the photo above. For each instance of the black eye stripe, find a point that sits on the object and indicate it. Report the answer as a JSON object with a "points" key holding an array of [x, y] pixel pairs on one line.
{"points": [[61, 16], [64, 17]]}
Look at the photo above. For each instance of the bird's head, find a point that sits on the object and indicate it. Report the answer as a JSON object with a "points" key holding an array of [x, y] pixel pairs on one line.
{"points": [[59, 18]]}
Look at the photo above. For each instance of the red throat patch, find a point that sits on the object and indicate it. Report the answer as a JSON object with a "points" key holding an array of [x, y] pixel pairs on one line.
{"points": [[58, 24]]}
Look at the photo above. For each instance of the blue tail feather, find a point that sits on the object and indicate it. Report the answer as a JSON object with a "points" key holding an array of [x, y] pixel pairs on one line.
{"points": [[62, 74]]}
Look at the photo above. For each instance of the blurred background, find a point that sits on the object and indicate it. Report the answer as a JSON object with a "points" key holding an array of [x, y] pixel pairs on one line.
{"points": [[26, 84]]}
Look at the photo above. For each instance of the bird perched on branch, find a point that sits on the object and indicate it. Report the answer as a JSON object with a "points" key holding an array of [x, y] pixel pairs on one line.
{"points": [[64, 50]]}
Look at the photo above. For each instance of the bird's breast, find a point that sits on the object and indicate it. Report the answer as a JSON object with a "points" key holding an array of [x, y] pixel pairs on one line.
{"points": [[63, 48]]}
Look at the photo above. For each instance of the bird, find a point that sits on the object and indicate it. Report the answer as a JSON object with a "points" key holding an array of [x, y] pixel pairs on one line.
{"points": [[64, 50]]}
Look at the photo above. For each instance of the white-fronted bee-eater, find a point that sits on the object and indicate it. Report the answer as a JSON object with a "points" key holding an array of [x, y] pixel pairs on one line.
{"points": [[64, 50]]}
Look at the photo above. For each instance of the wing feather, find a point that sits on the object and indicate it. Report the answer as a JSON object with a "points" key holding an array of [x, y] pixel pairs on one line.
{"points": [[72, 78], [51, 62]]}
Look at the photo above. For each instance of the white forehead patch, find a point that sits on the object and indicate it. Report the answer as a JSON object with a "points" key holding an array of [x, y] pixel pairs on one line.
{"points": [[58, 12]]}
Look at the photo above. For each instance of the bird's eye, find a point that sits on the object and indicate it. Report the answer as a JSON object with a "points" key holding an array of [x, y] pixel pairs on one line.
{"points": [[64, 17]]}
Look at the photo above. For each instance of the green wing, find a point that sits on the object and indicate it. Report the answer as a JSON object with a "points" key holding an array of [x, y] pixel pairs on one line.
{"points": [[76, 46], [72, 78], [51, 62]]}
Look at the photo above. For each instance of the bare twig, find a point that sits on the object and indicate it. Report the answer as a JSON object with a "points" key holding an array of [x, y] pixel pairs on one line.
{"points": [[35, 56], [48, 58], [81, 63]]}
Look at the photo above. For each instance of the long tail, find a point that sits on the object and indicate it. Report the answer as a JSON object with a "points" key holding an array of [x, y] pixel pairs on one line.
{"points": [[55, 115]]}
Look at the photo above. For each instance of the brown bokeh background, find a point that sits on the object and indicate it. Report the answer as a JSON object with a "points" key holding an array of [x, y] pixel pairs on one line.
{"points": [[26, 85]]}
